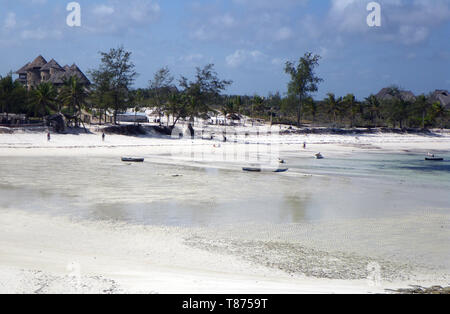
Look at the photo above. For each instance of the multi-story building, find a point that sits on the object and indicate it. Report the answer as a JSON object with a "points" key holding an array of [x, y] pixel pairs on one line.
{"points": [[34, 73]]}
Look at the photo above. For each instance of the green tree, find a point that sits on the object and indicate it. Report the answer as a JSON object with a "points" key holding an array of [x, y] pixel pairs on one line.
{"points": [[119, 72], [13, 95], [439, 113], [422, 106], [43, 99], [334, 107], [101, 95], [176, 107], [203, 92], [228, 109], [238, 104], [161, 88], [373, 106], [303, 80], [353, 107], [73, 94], [311, 108], [258, 106]]}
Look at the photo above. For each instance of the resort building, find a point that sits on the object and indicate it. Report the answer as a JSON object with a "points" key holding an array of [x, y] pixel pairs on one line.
{"points": [[441, 96], [38, 71]]}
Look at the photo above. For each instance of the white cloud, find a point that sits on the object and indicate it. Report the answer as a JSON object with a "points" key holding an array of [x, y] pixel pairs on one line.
{"points": [[115, 17], [241, 56], [192, 58], [284, 33], [103, 10], [40, 2], [10, 21], [40, 34], [405, 22]]}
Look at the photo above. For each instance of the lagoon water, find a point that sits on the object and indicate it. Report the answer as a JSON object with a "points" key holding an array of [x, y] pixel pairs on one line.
{"points": [[403, 198], [365, 185]]}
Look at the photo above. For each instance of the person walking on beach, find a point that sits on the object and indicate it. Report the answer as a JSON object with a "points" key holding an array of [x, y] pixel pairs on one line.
{"points": [[304, 145], [103, 136], [48, 137]]}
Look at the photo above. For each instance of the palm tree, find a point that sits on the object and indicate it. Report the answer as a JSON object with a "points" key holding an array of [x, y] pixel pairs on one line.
{"points": [[373, 105], [440, 112], [258, 104], [44, 98], [334, 106], [227, 109], [311, 108], [422, 105], [352, 106], [74, 94]]}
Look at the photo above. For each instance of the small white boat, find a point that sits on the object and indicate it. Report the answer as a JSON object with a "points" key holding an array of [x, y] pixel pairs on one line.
{"points": [[319, 156], [432, 157], [133, 159]]}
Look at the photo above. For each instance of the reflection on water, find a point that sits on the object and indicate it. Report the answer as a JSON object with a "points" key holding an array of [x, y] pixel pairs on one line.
{"points": [[363, 186]]}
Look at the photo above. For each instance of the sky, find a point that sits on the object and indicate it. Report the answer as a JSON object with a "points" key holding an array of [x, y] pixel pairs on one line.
{"points": [[249, 41]]}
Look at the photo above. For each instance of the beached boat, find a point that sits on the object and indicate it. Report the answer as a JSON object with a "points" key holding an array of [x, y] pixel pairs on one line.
{"points": [[432, 157], [259, 169], [132, 159], [252, 169], [281, 170]]}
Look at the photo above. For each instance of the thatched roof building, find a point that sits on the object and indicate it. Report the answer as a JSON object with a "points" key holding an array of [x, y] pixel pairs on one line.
{"points": [[441, 96], [39, 70], [389, 93]]}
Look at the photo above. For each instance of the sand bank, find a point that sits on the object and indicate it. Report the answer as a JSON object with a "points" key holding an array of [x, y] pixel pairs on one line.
{"points": [[42, 254]]}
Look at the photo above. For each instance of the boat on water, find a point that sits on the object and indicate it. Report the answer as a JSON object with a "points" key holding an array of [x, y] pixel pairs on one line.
{"points": [[281, 170], [133, 159], [432, 157], [260, 169], [319, 156], [252, 169]]}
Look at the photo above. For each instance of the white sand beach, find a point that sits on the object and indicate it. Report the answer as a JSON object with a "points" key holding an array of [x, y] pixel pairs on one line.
{"points": [[42, 251]]}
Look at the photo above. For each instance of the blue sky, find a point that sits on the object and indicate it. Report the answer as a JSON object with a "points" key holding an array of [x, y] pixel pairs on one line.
{"points": [[247, 40]]}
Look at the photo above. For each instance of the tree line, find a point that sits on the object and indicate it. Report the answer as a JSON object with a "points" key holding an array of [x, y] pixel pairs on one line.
{"points": [[202, 96]]}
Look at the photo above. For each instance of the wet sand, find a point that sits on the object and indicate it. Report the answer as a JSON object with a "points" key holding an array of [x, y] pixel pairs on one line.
{"points": [[43, 253]]}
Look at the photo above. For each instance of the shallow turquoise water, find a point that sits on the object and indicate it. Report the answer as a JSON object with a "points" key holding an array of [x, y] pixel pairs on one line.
{"points": [[363, 185]]}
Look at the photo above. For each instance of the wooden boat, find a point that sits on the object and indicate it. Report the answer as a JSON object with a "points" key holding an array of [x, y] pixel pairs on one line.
{"points": [[281, 170], [252, 169], [258, 169], [434, 159], [132, 159], [319, 156]]}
